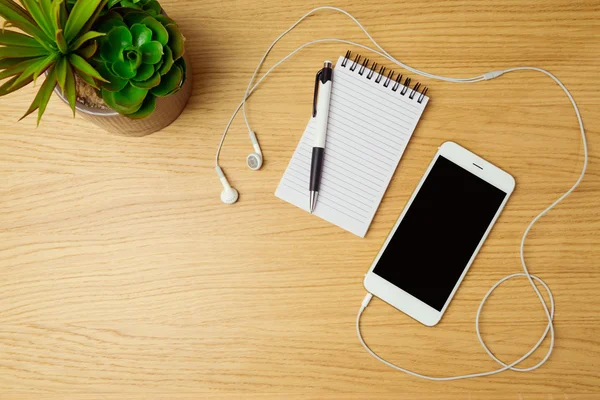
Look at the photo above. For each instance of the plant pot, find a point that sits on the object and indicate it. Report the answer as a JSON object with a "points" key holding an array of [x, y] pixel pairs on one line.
{"points": [[167, 111]]}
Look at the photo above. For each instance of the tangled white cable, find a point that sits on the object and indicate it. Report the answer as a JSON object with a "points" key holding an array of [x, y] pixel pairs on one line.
{"points": [[487, 76]]}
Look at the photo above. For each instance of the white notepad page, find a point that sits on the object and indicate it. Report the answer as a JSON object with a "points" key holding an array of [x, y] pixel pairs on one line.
{"points": [[369, 128]]}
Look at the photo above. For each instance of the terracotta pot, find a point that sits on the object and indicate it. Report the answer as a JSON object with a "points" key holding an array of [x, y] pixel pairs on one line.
{"points": [[167, 111]]}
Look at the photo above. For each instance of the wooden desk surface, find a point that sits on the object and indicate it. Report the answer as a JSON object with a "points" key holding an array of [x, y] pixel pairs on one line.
{"points": [[123, 276]]}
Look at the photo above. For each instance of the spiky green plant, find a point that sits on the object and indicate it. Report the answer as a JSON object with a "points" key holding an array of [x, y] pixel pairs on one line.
{"points": [[53, 40], [141, 58]]}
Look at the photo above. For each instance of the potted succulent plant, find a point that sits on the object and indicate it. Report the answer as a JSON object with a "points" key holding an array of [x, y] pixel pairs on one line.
{"points": [[119, 63]]}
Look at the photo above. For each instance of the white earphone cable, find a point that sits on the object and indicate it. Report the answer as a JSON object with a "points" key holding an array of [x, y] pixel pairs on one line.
{"points": [[490, 75], [530, 278]]}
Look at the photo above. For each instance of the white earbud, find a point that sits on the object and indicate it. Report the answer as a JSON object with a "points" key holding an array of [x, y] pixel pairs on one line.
{"points": [[229, 195], [254, 160]]}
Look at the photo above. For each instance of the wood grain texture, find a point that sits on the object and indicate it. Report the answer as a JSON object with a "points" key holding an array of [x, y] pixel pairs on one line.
{"points": [[123, 276]]}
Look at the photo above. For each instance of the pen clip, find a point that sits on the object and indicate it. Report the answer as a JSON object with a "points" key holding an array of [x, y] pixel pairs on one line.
{"points": [[316, 92]]}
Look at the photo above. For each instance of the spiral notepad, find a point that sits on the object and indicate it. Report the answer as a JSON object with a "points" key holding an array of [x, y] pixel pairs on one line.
{"points": [[372, 116]]}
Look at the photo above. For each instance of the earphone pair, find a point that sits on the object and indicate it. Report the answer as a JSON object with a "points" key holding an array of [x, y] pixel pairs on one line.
{"points": [[254, 160]]}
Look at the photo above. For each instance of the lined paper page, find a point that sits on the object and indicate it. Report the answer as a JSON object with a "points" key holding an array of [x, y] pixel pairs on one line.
{"points": [[368, 130]]}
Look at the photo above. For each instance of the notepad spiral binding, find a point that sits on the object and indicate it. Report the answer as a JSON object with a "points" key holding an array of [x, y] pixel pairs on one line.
{"points": [[356, 63]]}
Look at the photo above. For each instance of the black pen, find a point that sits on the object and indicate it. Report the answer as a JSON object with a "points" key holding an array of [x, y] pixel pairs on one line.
{"points": [[323, 83]]}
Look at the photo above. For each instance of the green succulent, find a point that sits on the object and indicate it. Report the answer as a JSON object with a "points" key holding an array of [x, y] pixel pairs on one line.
{"points": [[151, 6], [141, 58], [51, 39]]}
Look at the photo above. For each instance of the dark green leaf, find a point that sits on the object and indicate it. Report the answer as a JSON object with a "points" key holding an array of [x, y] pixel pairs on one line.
{"points": [[109, 21], [148, 84], [61, 42], [61, 72], [169, 82], [141, 34], [114, 83], [152, 52], [124, 69], [168, 61], [16, 51], [183, 65], [81, 13], [153, 7], [70, 90], [36, 69], [159, 33], [84, 66], [19, 67], [119, 38], [9, 62], [147, 108], [144, 72], [134, 17], [9, 86], [163, 19], [176, 41], [43, 96], [87, 79], [130, 96], [109, 98], [77, 43], [88, 51], [17, 39]]}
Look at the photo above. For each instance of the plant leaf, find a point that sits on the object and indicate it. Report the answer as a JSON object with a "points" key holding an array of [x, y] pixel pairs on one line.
{"points": [[56, 14], [9, 62], [9, 86], [87, 79], [148, 84], [19, 67], [43, 96], [92, 20], [147, 108], [124, 69], [109, 98], [17, 39], [61, 72], [77, 43], [130, 96], [61, 42], [85, 67], [70, 90], [144, 72], [159, 33], [88, 51], [170, 82], [152, 52], [168, 61], [17, 51], [176, 41], [34, 70], [141, 34], [114, 83], [31, 30], [35, 10], [11, 11], [80, 14]]}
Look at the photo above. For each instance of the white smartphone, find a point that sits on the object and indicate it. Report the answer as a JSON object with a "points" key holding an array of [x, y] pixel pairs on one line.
{"points": [[435, 240]]}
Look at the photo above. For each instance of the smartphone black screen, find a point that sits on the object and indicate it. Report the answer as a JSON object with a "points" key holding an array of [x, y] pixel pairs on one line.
{"points": [[439, 233]]}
